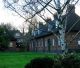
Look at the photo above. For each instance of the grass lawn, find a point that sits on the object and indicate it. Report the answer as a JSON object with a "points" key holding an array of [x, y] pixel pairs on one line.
{"points": [[19, 59]]}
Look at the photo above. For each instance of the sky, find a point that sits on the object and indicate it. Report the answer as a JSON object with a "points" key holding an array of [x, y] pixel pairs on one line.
{"points": [[8, 16]]}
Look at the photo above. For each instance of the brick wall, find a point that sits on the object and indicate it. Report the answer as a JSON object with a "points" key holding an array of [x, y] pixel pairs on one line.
{"points": [[41, 44]]}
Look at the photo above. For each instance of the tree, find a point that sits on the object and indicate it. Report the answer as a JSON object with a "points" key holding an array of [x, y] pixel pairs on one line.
{"points": [[7, 33], [31, 8], [9, 30], [4, 40]]}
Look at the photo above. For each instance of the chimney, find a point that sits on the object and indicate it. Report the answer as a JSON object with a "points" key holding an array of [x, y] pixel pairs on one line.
{"points": [[55, 16], [48, 19], [71, 8]]}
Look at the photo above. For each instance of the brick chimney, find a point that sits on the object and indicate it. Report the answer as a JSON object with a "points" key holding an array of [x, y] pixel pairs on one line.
{"points": [[71, 8]]}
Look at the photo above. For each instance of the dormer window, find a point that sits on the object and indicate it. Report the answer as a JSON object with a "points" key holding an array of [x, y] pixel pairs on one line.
{"points": [[34, 32], [17, 35], [39, 31], [49, 27], [57, 23]]}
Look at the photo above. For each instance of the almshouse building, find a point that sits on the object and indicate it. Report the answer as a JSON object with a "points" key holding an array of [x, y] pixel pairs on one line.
{"points": [[45, 40]]}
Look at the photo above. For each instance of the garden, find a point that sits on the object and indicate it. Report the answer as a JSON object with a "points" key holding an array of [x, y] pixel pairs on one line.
{"points": [[49, 60], [19, 59]]}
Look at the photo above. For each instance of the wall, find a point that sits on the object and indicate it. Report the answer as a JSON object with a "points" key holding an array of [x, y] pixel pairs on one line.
{"points": [[41, 44]]}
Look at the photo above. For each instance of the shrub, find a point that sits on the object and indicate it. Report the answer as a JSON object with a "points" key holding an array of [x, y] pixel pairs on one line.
{"points": [[65, 61], [70, 61], [41, 63]]}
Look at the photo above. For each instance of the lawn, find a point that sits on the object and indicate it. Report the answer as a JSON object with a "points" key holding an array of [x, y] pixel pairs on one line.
{"points": [[19, 59]]}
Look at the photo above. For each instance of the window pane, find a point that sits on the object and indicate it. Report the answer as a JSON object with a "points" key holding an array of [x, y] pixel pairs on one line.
{"points": [[79, 42], [53, 42]]}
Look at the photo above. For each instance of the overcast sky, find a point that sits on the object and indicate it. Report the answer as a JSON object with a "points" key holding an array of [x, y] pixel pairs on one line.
{"points": [[8, 16]]}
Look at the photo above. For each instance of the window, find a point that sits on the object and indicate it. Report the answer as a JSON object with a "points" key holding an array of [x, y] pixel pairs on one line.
{"points": [[39, 31], [57, 23], [52, 42], [33, 32], [59, 42], [49, 27], [49, 42], [11, 44], [78, 42], [39, 43], [45, 43], [32, 45], [42, 42]]}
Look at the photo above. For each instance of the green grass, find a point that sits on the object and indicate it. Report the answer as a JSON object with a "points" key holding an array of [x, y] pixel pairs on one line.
{"points": [[19, 59]]}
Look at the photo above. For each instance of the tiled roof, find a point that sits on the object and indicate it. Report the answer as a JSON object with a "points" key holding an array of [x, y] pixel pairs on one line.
{"points": [[73, 19], [70, 19]]}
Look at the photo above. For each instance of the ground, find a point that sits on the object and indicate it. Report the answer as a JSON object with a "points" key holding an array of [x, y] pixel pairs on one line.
{"points": [[19, 59]]}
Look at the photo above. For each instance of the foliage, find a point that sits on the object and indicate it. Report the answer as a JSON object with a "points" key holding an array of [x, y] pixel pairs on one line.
{"points": [[4, 41], [41, 63], [70, 61], [65, 61], [7, 33]]}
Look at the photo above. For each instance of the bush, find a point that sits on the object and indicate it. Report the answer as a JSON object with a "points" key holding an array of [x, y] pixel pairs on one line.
{"points": [[65, 61], [41, 63], [70, 61]]}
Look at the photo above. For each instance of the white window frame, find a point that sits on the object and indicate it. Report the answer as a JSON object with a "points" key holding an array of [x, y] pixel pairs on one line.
{"points": [[78, 42], [46, 43], [11, 44], [49, 27], [59, 42], [53, 43]]}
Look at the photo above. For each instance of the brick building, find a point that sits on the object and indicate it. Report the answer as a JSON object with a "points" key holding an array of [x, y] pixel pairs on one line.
{"points": [[45, 40]]}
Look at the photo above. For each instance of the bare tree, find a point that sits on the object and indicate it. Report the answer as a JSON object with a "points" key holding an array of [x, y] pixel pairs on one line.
{"points": [[28, 9]]}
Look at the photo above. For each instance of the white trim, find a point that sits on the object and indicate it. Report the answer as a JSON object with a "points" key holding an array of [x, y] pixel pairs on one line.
{"points": [[52, 42], [11, 44], [78, 42]]}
